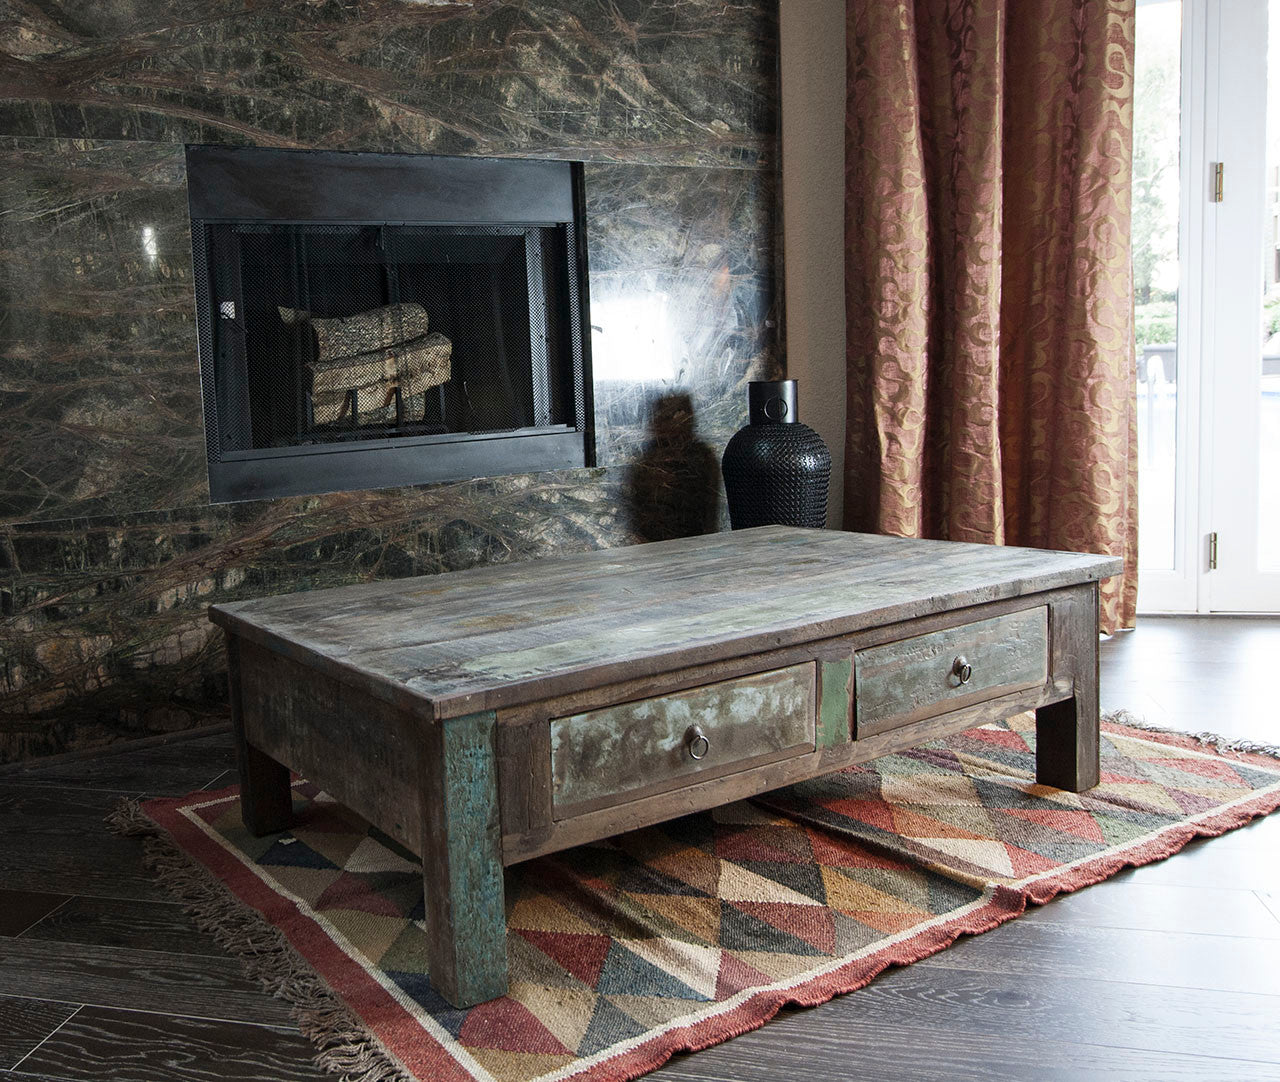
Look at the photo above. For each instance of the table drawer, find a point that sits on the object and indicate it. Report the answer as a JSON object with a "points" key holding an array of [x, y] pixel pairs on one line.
{"points": [[917, 678], [619, 753]]}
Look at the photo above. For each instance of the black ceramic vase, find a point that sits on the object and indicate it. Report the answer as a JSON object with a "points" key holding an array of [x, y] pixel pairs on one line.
{"points": [[776, 470]]}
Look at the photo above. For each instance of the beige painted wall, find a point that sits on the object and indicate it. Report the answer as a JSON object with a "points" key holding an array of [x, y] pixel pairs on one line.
{"points": [[812, 79]]}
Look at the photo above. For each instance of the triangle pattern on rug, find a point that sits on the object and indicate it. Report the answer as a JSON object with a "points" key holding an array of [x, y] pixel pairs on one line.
{"points": [[579, 954], [627, 973], [1079, 824], [620, 952], [813, 924], [734, 976], [740, 930], [508, 1026], [979, 852], [287, 851], [738, 883], [609, 1026]]}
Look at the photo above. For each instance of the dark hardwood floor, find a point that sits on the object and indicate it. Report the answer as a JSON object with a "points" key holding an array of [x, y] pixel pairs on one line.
{"points": [[1169, 972]]}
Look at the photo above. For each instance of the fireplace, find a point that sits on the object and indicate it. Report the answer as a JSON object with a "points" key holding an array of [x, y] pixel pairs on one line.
{"points": [[368, 320]]}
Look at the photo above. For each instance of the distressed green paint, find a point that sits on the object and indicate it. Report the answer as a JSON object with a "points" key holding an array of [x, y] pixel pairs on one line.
{"points": [[632, 745], [833, 717], [474, 848]]}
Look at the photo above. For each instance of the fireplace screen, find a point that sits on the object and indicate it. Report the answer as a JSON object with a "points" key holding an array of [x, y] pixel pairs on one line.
{"points": [[410, 350]]}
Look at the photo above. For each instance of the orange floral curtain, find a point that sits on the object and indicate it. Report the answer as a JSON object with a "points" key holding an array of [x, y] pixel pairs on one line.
{"points": [[989, 294]]}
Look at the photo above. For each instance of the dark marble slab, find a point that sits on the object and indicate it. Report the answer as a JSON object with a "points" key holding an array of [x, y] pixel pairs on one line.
{"points": [[690, 81], [99, 384], [105, 633]]}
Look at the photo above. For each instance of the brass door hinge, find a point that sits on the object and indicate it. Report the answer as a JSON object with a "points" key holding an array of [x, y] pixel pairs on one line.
{"points": [[1213, 551], [1215, 195]]}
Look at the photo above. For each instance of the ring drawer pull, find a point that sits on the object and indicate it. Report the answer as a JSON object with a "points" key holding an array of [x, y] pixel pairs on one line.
{"points": [[961, 670], [695, 740]]}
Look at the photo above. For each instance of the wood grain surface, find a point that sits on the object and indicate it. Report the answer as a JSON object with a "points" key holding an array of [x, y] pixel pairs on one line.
{"points": [[482, 639], [912, 679], [20, 909], [1067, 730], [24, 1023], [136, 980], [115, 922], [127, 1046], [362, 750], [836, 699]]}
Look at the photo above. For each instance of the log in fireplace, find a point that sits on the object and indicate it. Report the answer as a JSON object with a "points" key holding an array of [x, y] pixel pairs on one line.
{"points": [[368, 320]]}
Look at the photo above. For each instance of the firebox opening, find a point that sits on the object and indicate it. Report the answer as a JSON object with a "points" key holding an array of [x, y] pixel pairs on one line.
{"points": [[377, 351]]}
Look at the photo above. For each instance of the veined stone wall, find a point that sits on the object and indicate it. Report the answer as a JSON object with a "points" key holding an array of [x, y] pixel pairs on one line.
{"points": [[110, 551]]}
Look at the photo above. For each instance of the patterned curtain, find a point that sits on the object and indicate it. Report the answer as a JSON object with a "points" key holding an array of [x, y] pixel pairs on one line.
{"points": [[989, 293]]}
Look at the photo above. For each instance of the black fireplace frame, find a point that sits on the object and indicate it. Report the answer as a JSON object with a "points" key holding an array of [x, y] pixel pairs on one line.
{"points": [[287, 187]]}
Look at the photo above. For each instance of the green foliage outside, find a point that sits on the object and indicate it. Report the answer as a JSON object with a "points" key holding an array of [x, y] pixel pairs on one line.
{"points": [[1271, 312], [1156, 323], [1155, 187]]}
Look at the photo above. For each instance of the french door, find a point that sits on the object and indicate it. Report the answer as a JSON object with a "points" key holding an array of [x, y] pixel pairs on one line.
{"points": [[1207, 301]]}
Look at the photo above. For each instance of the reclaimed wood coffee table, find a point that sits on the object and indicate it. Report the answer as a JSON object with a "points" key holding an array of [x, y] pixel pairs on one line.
{"points": [[485, 717]]}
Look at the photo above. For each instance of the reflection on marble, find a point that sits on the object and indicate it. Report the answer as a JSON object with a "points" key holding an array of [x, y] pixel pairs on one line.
{"points": [[99, 385], [666, 81], [682, 299], [105, 633]]}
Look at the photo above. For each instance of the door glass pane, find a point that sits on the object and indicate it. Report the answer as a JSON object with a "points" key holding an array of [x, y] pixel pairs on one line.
{"points": [[1269, 371], [1157, 110]]}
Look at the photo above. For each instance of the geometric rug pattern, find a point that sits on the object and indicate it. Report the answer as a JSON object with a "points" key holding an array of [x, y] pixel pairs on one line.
{"points": [[684, 934]]}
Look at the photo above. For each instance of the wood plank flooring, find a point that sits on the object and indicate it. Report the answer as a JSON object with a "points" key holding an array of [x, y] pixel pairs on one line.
{"points": [[1169, 972]]}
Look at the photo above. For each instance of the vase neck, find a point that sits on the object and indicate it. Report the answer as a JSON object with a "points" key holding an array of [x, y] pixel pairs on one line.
{"points": [[772, 402]]}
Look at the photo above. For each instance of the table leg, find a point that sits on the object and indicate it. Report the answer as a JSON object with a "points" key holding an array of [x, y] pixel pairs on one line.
{"points": [[1067, 744], [462, 860], [266, 801], [1067, 731]]}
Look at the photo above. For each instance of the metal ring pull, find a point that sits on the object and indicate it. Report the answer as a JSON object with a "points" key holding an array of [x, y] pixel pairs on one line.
{"points": [[695, 740], [961, 670]]}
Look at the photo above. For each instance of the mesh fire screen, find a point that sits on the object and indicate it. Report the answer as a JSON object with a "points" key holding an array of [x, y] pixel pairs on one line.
{"points": [[339, 333]]}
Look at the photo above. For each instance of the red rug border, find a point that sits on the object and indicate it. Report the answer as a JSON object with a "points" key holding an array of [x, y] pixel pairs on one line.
{"points": [[379, 1010]]}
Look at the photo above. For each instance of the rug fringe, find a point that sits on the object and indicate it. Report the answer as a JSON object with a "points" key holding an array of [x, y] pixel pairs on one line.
{"points": [[344, 1045], [127, 820], [1214, 740]]}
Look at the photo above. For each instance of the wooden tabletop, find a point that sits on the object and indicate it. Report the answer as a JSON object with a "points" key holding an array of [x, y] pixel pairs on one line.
{"points": [[496, 636]]}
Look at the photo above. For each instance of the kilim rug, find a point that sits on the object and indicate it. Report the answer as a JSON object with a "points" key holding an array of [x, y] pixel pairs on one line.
{"points": [[683, 935]]}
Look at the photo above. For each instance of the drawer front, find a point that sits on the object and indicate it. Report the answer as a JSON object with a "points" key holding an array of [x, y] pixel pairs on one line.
{"points": [[913, 679], [618, 753]]}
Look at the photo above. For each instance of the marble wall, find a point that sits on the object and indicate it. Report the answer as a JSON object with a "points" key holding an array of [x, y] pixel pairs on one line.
{"points": [[109, 549]]}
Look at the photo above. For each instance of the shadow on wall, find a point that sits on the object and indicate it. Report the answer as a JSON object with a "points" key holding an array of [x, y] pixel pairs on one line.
{"points": [[673, 489]]}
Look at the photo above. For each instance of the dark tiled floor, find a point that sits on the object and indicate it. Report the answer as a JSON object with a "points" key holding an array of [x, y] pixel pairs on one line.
{"points": [[1169, 972]]}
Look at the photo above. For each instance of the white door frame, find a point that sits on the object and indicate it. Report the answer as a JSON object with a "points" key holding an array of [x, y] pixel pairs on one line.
{"points": [[1232, 488], [1220, 305], [1175, 589]]}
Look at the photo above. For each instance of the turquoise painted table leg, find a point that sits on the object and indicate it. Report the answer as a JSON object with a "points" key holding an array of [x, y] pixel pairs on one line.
{"points": [[462, 861]]}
